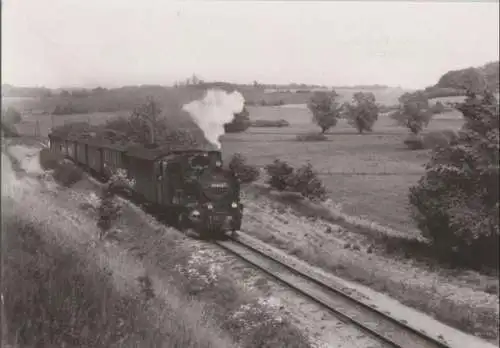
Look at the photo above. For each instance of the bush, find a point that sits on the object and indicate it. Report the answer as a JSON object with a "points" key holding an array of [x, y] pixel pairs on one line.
{"points": [[437, 108], [436, 139], [67, 173], [244, 172], [9, 131], [311, 137], [70, 109], [270, 123], [240, 123], [304, 180], [455, 203], [279, 173], [11, 116], [48, 159], [414, 142]]}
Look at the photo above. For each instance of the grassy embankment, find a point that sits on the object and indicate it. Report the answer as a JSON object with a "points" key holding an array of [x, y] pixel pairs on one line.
{"points": [[143, 288]]}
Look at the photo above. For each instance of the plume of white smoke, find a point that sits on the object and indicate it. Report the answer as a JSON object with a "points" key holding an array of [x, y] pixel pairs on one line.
{"points": [[213, 111]]}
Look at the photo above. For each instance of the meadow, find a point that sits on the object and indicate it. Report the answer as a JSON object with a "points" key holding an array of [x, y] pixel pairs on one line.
{"points": [[360, 171]]}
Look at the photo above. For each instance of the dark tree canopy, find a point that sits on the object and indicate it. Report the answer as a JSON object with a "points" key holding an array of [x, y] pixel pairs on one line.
{"points": [[240, 123], [414, 112], [456, 202], [325, 109], [362, 112]]}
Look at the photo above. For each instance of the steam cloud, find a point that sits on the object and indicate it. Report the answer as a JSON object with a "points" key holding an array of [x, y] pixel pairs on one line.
{"points": [[213, 111]]}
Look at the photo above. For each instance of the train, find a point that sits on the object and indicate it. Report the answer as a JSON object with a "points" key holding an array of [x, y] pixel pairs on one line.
{"points": [[187, 185]]}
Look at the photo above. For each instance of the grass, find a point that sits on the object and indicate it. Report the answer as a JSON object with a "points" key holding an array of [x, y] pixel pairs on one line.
{"points": [[55, 298], [209, 281], [465, 300], [198, 295], [359, 171]]}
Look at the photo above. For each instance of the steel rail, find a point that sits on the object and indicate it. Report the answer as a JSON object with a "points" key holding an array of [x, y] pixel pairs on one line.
{"points": [[382, 326]]}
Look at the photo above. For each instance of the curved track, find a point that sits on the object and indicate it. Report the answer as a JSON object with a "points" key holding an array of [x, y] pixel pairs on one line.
{"points": [[385, 328]]}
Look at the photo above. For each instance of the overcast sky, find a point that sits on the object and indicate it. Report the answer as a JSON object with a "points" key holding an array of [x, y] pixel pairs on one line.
{"points": [[116, 42]]}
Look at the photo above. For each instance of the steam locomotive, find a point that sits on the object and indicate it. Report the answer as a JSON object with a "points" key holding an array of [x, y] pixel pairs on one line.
{"points": [[188, 186]]}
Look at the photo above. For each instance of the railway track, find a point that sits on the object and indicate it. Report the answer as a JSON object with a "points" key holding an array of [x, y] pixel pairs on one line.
{"points": [[388, 330]]}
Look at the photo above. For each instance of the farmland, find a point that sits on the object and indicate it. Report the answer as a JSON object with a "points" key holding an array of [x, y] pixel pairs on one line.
{"points": [[359, 171]]}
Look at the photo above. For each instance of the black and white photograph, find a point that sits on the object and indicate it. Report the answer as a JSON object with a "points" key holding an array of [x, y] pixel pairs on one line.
{"points": [[250, 174]]}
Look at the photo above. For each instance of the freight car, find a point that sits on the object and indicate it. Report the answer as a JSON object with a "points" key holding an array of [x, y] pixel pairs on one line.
{"points": [[188, 186]]}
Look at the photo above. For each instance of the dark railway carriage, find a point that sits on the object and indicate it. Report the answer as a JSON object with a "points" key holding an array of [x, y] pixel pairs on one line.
{"points": [[140, 167], [94, 158], [187, 185], [56, 144], [71, 148], [81, 153], [113, 157]]}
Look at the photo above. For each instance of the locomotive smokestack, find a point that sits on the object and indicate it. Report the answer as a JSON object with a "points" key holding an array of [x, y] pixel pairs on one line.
{"points": [[213, 111]]}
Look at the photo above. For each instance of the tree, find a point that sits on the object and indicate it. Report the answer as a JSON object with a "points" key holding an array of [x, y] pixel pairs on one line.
{"points": [[470, 79], [240, 122], [362, 112], [147, 115], [413, 112], [11, 116], [455, 203], [326, 111]]}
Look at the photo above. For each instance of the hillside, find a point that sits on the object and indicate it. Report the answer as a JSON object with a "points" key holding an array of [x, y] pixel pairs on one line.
{"points": [[473, 77]]}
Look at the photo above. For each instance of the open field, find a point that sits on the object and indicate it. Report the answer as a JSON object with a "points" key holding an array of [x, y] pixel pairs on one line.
{"points": [[359, 171]]}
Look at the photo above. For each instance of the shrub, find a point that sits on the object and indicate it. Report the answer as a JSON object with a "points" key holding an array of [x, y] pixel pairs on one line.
{"points": [[455, 203], [109, 208], [437, 108], [240, 123], [311, 137], [437, 139], [8, 130], [245, 172], [270, 123], [11, 116], [48, 159], [279, 173], [414, 142], [304, 180], [67, 173], [70, 109]]}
